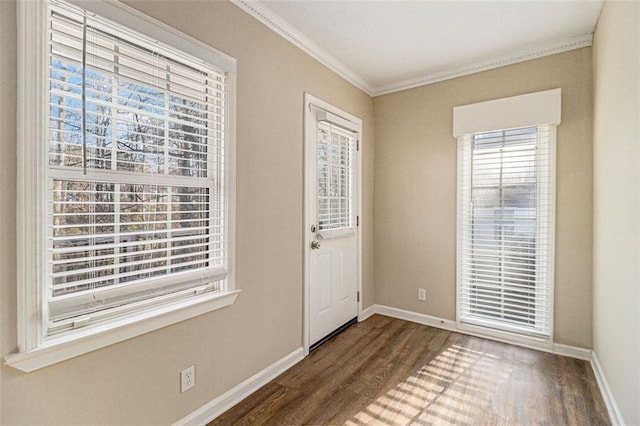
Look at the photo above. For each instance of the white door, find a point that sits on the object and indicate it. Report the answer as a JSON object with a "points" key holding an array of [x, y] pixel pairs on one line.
{"points": [[332, 173]]}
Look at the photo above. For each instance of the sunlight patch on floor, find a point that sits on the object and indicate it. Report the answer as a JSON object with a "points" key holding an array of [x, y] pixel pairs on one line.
{"points": [[453, 388]]}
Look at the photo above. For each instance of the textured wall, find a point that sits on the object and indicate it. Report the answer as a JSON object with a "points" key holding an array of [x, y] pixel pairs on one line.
{"points": [[137, 381], [415, 191], [616, 235]]}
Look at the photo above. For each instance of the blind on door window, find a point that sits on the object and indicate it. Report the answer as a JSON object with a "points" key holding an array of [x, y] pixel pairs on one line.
{"points": [[136, 169], [506, 229], [336, 159]]}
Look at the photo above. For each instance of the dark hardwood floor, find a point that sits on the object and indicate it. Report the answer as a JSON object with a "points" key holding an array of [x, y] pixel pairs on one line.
{"points": [[385, 371]]}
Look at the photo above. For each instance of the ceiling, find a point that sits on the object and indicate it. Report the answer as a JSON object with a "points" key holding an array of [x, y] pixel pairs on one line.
{"points": [[384, 46]]}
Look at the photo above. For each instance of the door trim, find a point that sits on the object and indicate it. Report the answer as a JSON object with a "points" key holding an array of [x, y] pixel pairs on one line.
{"points": [[309, 164]]}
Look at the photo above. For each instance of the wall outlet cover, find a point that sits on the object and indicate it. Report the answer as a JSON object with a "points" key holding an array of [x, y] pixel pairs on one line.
{"points": [[187, 378], [422, 294]]}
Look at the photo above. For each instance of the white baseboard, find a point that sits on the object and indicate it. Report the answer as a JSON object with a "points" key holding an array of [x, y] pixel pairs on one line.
{"points": [[415, 317], [213, 409], [445, 324], [612, 407], [366, 313], [573, 351]]}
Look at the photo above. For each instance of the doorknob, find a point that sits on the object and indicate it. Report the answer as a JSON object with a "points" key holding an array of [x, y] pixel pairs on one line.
{"points": [[315, 245]]}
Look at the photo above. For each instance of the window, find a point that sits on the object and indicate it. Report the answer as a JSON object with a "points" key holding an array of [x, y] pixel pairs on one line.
{"points": [[336, 164], [506, 220], [134, 175]]}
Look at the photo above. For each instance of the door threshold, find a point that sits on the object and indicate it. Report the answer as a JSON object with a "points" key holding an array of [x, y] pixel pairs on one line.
{"points": [[333, 334]]}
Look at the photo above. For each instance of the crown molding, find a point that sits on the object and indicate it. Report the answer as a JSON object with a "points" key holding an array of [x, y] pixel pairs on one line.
{"points": [[522, 56], [278, 25]]}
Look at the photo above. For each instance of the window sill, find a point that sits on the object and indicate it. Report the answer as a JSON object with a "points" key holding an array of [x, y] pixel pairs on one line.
{"points": [[83, 341], [514, 336]]}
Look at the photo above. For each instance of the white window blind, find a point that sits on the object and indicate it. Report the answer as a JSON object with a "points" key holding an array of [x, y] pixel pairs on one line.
{"points": [[336, 161], [506, 220], [136, 202]]}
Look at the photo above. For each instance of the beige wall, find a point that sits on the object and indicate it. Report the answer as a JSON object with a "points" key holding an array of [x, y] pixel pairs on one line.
{"points": [[136, 382], [415, 218], [415, 191], [616, 254]]}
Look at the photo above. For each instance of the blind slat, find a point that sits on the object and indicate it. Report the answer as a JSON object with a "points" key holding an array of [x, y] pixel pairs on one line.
{"points": [[335, 157], [136, 187], [505, 228]]}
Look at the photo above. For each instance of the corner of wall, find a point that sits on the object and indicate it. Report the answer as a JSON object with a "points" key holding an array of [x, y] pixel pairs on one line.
{"points": [[616, 230]]}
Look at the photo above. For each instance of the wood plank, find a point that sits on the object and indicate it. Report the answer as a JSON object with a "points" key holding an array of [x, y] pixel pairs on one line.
{"points": [[261, 407], [387, 371]]}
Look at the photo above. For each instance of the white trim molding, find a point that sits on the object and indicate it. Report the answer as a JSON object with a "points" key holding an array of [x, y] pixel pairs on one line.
{"points": [[277, 24], [561, 46], [572, 351], [450, 325], [366, 313], [416, 317], [612, 406], [32, 24], [219, 405], [281, 27], [89, 339]]}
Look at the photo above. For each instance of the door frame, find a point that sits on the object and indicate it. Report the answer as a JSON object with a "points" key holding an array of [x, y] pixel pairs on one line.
{"points": [[309, 135]]}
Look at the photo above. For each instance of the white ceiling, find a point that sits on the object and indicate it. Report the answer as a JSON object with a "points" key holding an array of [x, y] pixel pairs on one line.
{"points": [[389, 45]]}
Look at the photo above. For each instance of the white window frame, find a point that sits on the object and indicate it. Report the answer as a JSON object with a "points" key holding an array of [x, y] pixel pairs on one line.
{"points": [[335, 120], [36, 349], [530, 110]]}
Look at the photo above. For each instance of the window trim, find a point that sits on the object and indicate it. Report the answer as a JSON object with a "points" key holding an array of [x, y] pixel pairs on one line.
{"points": [[333, 120], [533, 109], [34, 350]]}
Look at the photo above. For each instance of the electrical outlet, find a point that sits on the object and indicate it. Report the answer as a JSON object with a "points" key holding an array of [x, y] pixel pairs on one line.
{"points": [[422, 294], [187, 378]]}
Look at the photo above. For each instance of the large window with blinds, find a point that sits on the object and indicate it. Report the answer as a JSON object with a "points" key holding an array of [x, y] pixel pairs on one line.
{"points": [[136, 169], [506, 229]]}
